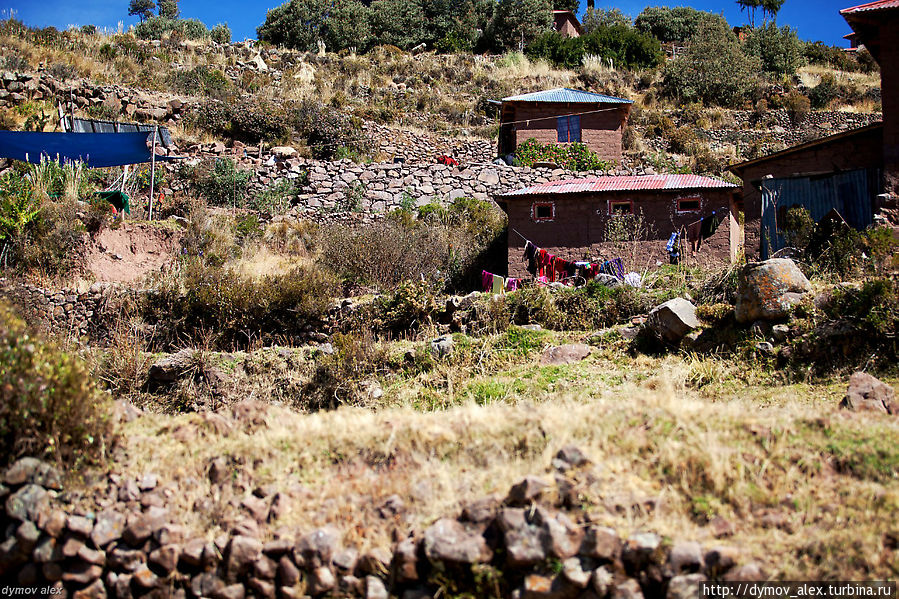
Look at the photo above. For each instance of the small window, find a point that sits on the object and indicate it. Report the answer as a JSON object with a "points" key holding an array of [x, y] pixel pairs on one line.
{"points": [[568, 129], [688, 205], [621, 207], [543, 212]]}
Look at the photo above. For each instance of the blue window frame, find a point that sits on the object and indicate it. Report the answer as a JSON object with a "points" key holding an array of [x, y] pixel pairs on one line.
{"points": [[568, 128]]}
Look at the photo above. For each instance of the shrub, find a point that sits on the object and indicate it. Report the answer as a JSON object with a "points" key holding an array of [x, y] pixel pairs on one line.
{"points": [[825, 92], [236, 309], [155, 28], [797, 107], [446, 248], [675, 24], [339, 377], [49, 405], [276, 198], [201, 80], [221, 34], [573, 156], [517, 22], [712, 70], [295, 24], [225, 184], [874, 307], [778, 48], [622, 45]]}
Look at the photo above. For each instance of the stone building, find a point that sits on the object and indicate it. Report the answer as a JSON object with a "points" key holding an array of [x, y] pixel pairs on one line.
{"points": [[564, 116], [571, 219]]}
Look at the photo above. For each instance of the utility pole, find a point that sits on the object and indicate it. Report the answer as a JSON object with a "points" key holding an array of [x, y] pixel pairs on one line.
{"points": [[153, 169]]}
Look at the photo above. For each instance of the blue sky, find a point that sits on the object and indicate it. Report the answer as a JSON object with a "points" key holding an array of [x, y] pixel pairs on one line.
{"points": [[814, 19]]}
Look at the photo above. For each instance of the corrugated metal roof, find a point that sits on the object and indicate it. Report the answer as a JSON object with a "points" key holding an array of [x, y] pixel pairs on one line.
{"points": [[871, 6], [623, 183], [563, 94]]}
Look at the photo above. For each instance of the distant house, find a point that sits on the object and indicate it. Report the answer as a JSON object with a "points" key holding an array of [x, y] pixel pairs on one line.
{"points": [[563, 116], [566, 23], [570, 218], [855, 173]]}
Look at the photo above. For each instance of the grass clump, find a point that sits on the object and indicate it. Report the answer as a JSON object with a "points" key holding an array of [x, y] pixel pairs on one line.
{"points": [[234, 309], [49, 405]]}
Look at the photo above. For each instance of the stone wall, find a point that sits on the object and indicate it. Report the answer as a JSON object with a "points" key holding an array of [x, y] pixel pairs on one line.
{"points": [[65, 312], [124, 541], [777, 133]]}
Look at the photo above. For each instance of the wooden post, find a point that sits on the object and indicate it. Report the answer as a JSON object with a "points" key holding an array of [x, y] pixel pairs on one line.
{"points": [[122, 189], [153, 170]]}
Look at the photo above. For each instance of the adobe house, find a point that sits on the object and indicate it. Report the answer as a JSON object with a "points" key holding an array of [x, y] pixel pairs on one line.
{"points": [[876, 26], [563, 116], [567, 24], [854, 172], [841, 172], [571, 218]]}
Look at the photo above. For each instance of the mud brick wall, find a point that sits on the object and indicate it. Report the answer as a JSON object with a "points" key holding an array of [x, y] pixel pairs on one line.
{"points": [[600, 131], [889, 74], [578, 229], [862, 150]]}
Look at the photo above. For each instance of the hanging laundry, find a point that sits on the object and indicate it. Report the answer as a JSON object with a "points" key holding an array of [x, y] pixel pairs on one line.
{"points": [[499, 284], [694, 230], [709, 226], [512, 284], [673, 248], [530, 256], [486, 280]]}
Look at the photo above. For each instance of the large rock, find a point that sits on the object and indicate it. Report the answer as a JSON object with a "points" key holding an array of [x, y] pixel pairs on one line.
{"points": [[34, 471], [28, 503], [449, 541], [769, 289], [169, 369], [673, 319], [867, 393], [565, 354]]}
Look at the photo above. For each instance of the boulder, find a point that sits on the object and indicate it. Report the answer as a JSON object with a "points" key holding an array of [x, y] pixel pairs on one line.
{"points": [[442, 346], [768, 290], [283, 152], [673, 319], [28, 503], [449, 541], [169, 369], [867, 393], [565, 354], [34, 471]]}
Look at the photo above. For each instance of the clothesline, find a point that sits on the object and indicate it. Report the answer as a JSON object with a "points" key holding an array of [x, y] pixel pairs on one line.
{"points": [[556, 116]]}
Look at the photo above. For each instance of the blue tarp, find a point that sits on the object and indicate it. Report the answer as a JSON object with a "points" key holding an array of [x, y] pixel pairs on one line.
{"points": [[94, 149]]}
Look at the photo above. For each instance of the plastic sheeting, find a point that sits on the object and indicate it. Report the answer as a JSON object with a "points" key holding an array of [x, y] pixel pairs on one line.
{"points": [[96, 150], [850, 193]]}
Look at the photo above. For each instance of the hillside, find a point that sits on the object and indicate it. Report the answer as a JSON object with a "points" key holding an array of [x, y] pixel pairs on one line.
{"points": [[289, 381]]}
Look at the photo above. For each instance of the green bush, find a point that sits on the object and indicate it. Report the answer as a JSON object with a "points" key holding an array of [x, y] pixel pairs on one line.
{"points": [[675, 24], [623, 45], [221, 34], [778, 48], [225, 184], [155, 28], [573, 156], [712, 70], [201, 80], [874, 307], [49, 405], [276, 198]]}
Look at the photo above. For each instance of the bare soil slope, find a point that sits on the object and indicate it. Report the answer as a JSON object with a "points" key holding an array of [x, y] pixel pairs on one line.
{"points": [[131, 251]]}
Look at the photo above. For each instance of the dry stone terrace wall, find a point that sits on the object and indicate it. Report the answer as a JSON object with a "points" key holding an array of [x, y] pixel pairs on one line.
{"points": [[64, 311], [777, 134], [125, 541], [380, 187]]}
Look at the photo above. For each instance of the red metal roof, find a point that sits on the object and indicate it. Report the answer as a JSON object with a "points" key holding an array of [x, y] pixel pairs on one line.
{"points": [[623, 183], [871, 6]]}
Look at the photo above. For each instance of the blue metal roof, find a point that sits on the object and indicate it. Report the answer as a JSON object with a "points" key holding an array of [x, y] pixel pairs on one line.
{"points": [[563, 94]]}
